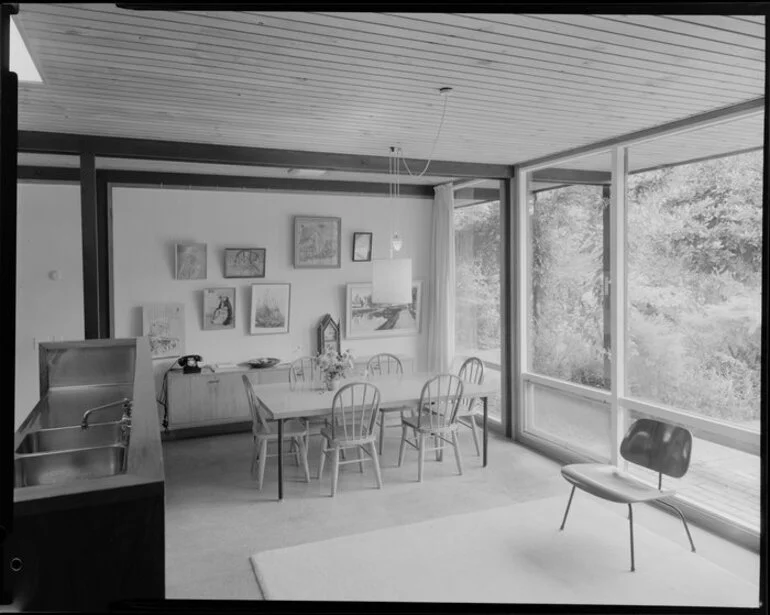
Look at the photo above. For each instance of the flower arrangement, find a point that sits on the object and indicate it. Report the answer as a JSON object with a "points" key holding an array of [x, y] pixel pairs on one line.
{"points": [[334, 365]]}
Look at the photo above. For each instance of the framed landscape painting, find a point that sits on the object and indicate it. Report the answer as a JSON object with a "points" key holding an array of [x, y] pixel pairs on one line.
{"points": [[245, 262], [317, 242], [366, 319], [270, 308], [191, 261], [218, 308]]}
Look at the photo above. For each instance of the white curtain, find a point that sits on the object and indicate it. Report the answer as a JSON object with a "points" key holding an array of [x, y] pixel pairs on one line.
{"points": [[441, 306]]}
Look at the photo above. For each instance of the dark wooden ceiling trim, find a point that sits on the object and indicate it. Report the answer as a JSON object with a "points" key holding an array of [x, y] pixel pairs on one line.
{"points": [[732, 112], [478, 195], [48, 174], [147, 149], [571, 176], [194, 180]]}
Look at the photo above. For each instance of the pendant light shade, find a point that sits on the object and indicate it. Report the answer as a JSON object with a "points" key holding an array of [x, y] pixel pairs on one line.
{"points": [[392, 281]]}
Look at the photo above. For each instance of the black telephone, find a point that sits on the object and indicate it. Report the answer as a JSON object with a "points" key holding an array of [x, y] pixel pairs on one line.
{"points": [[191, 363]]}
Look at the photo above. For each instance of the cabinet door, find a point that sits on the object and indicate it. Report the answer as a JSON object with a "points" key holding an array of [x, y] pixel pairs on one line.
{"points": [[178, 400]]}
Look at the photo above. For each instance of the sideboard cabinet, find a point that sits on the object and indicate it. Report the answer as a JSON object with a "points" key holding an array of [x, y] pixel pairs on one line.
{"points": [[215, 401]]}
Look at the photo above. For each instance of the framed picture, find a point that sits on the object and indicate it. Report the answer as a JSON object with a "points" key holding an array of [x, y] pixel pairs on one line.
{"points": [[163, 324], [366, 319], [218, 308], [270, 308], [317, 242], [191, 261], [245, 262], [328, 335], [362, 247]]}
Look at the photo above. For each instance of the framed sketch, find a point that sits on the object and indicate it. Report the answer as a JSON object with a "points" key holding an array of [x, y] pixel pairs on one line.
{"points": [[328, 335], [270, 308], [317, 242], [366, 319], [218, 308], [163, 324], [362, 247], [191, 261], [245, 262]]}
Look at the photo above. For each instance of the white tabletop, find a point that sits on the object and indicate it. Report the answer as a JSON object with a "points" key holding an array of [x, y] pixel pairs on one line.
{"points": [[282, 402]]}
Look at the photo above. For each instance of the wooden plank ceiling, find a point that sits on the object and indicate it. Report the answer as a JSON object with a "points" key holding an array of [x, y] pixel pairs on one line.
{"points": [[524, 86]]}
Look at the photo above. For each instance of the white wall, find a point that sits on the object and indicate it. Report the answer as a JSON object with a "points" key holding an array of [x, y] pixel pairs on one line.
{"points": [[148, 222], [48, 239]]}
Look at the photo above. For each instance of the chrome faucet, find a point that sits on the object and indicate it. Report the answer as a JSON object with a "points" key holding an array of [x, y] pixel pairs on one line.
{"points": [[126, 411]]}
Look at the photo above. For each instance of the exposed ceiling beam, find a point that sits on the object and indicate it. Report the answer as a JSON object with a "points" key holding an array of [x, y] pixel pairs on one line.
{"points": [[571, 176], [148, 149], [478, 195]]}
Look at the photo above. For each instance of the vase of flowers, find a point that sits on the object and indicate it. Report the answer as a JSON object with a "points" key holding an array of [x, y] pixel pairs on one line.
{"points": [[334, 365]]}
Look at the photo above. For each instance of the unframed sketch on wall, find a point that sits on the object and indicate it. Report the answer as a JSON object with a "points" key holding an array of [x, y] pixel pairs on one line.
{"points": [[270, 308], [163, 324], [191, 261], [218, 308]]}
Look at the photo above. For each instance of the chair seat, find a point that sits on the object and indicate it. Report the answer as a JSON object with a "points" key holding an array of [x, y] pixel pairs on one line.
{"points": [[326, 432], [439, 425], [608, 482], [291, 429]]}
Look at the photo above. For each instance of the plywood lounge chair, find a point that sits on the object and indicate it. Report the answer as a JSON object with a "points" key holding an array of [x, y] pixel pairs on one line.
{"points": [[653, 444]]}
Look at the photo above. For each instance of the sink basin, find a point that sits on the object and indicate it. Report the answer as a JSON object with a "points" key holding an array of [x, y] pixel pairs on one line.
{"points": [[68, 438], [65, 466]]}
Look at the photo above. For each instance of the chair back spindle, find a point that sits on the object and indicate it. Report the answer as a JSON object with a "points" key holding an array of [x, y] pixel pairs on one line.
{"points": [[471, 371], [259, 422], [354, 410], [304, 371], [384, 364], [440, 401]]}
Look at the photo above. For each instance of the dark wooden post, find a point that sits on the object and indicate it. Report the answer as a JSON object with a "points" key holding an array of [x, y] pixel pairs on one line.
{"points": [[8, 151]]}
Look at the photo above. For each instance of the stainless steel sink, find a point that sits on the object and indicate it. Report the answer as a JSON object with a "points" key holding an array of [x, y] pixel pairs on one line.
{"points": [[65, 466], [68, 438]]}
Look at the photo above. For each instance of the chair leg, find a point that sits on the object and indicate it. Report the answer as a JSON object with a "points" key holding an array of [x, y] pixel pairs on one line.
{"points": [[254, 459], [437, 446], [323, 457], [475, 435], [303, 455], [631, 530], [262, 461], [402, 450], [360, 459], [420, 456], [297, 452], [382, 431], [456, 445], [681, 516], [376, 463], [566, 512], [335, 468]]}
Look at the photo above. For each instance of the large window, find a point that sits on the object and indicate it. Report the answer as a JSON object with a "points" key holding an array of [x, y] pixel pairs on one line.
{"points": [[568, 299], [477, 278], [694, 287]]}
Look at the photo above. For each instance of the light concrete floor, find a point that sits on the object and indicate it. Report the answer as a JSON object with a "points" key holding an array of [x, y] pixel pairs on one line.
{"points": [[216, 519]]}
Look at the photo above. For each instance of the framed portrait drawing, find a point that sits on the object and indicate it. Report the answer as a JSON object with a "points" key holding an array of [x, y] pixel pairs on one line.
{"points": [[270, 308], [362, 247], [328, 335], [218, 308], [245, 262], [317, 242], [191, 261], [366, 319]]}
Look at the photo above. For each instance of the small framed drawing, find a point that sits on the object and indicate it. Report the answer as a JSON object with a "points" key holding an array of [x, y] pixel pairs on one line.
{"points": [[245, 262], [218, 308], [317, 242], [270, 308], [366, 319], [191, 261], [362, 247], [163, 324]]}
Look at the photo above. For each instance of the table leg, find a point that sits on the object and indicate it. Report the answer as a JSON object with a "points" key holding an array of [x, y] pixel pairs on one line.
{"points": [[486, 412], [280, 459]]}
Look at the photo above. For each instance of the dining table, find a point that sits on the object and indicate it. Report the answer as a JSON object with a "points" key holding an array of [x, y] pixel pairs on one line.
{"points": [[284, 401]]}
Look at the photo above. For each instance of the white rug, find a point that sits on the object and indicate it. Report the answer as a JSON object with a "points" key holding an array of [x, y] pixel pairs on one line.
{"points": [[514, 554]]}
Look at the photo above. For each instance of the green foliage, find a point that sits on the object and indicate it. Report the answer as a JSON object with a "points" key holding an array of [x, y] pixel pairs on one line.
{"points": [[694, 288]]}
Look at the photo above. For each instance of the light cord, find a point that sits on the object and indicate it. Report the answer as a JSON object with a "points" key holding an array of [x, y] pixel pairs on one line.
{"points": [[433, 148]]}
